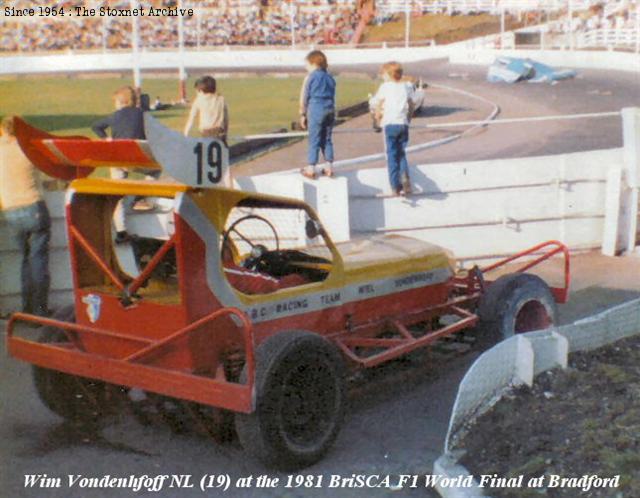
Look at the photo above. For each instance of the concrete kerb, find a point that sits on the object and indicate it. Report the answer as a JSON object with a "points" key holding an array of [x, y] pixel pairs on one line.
{"points": [[517, 361]]}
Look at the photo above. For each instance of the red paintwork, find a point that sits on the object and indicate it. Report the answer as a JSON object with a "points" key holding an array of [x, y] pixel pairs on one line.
{"points": [[76, 157], [177, 348], [94, 153], [30, 141]]}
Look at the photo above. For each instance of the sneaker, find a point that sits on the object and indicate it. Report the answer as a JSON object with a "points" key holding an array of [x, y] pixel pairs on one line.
{"points": [[122, 237], [406, 187], [327, 171], [143, 205], [308, 172]]}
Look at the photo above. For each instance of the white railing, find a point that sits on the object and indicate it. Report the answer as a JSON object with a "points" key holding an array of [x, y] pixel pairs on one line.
{"points": [[388, 7], [598, 38]]}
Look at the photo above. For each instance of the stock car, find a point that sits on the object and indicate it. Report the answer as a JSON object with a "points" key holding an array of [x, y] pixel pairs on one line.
{"points": [[237, 306]]}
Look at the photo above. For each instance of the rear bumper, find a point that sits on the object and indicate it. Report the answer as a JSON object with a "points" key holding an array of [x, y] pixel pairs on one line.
{"points": [[129, 372]]}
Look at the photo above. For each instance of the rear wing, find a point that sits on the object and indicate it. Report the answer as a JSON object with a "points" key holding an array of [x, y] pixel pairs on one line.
{"points": [[196, 162]]}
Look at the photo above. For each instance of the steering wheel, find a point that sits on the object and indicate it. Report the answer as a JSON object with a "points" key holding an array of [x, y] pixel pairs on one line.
{"points": [[257, 250]]}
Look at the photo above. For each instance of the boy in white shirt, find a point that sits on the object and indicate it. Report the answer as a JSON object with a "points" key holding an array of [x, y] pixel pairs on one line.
{"points": [[394, 98]]}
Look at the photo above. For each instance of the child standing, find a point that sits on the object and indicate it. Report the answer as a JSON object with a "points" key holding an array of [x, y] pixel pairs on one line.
{"points": [[317, 112], [126, 123], [394, 98], [211, 109]]}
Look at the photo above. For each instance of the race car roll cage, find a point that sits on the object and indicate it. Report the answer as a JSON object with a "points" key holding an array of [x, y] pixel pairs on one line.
{"points": [[219, 391], [139, 368]]}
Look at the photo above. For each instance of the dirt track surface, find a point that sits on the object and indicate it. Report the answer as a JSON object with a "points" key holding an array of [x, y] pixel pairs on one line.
{"points": [[590, 92]]}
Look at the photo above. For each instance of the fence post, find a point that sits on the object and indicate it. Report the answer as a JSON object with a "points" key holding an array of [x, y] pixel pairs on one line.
{"points": [[621, 205], [631, 172]]}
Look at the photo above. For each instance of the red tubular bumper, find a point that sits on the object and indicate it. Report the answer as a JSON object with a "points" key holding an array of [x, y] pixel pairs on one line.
{"points": [[129, 372], [550, 249]]}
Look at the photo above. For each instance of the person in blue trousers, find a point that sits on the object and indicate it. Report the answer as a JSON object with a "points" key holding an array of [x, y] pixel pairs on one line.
{"points": [[394, 99], [26, 213], [317, 113]]}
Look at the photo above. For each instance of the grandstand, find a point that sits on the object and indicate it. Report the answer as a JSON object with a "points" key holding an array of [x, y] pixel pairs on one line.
{"points": [[219, 23]]}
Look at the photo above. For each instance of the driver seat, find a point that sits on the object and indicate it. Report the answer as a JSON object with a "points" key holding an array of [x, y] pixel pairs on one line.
{"points": [[253, 282]]}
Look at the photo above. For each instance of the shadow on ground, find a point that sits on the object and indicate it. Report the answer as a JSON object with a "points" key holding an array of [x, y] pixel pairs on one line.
{"points": [[434, 111]]}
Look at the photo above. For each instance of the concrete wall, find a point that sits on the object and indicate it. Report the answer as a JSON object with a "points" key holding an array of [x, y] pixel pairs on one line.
{"points": [[235, 58], [468, 52], [480, 210]]}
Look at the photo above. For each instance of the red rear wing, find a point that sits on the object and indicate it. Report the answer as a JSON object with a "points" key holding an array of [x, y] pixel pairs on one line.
{"points": [[197, 162], [68, 158]]}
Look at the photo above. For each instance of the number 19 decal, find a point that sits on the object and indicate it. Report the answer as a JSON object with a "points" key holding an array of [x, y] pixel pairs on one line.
{"points": [[214, 163]]}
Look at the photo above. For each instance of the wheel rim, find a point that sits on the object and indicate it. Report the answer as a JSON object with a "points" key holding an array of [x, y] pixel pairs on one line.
{"points": [[309, 403], [533, 315]]}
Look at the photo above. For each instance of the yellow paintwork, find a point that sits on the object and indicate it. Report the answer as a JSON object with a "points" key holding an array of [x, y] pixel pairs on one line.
{"points": [[127, 187], [353, 262]]}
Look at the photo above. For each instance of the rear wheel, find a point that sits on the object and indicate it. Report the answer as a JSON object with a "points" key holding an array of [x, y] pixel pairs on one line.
{"points": [[73, 398], [514, 304], [299, 401]]}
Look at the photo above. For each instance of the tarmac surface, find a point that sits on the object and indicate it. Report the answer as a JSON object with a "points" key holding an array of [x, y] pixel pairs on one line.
{"points": [[398, 417], [591, 92]]}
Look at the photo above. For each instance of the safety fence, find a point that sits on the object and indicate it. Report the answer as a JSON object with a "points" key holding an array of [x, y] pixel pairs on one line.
{"points": [[603, 38], [387, 7], [517, 361]]}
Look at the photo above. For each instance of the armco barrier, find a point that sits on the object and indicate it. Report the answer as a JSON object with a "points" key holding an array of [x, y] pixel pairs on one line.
{"points": [[516, 361]]}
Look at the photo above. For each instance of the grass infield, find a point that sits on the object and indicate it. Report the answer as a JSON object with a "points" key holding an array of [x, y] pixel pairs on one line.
{"points": [[69, 106]]}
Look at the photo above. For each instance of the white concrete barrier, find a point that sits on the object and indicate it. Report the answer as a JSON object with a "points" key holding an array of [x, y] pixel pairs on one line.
{"points": [[212, 59], [472, 51], [483, 209], [516, 361]]}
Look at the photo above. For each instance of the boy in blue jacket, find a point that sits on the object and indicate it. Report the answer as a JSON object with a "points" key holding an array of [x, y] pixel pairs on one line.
{"points": [[317, 113]]}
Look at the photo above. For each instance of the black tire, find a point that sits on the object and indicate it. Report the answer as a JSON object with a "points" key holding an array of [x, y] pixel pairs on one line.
{"points": [[74, 398], [513, 304], [300, 399]]}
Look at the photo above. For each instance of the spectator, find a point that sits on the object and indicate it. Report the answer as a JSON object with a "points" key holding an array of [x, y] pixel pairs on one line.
{"points": [[395, 99], [126, 123], [211, 109], [317, 112], [26, 213]]}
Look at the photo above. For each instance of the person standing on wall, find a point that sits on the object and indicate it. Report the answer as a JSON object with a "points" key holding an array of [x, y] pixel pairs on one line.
{"points": [[394, 98], [211, 109], [127, 122], [317, 113], [27, 215]]}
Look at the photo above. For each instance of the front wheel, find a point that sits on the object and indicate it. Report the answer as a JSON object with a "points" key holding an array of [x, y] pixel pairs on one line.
{"points": [[299, 401], [513, 304]]}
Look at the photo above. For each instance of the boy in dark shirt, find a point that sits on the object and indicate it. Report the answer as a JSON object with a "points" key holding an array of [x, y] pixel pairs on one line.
{"points": [[126, 123]]}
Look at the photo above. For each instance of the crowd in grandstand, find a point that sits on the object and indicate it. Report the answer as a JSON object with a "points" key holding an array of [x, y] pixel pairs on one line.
{"points": [[245, 22], [230, 22]]}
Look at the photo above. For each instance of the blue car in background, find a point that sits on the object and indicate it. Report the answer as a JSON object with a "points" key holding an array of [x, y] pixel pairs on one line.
{"points": [[514, 69]]}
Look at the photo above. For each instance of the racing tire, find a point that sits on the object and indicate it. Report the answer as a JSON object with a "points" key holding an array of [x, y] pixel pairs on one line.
{"points": [[513, 304], [299, 401], [73, 398]]}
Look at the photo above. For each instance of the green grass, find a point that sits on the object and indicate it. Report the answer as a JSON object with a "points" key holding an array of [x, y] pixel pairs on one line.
{"points": [[439, 27], [69, 106]]}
